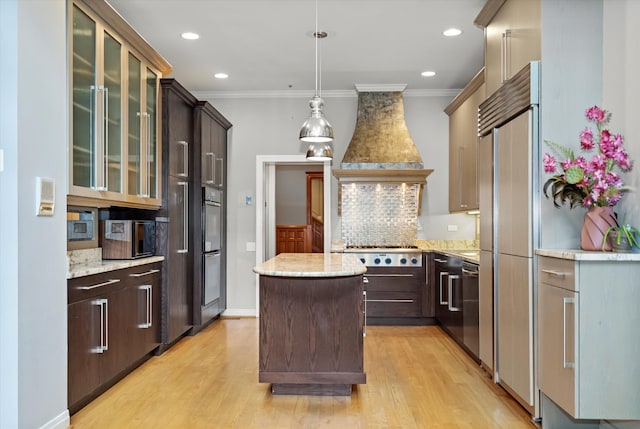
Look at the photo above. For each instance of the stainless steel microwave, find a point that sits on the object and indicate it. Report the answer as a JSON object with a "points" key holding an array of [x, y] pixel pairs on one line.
{"points": [[127, 239]]}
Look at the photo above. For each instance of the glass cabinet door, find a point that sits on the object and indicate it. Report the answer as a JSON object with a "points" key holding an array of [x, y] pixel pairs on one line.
{"points": [[113, 89], [134, 160], [152, 133], [84, 99]]}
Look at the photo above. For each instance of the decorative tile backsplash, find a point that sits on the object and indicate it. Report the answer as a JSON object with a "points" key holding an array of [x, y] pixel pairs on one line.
{"points": [[379, 214]]}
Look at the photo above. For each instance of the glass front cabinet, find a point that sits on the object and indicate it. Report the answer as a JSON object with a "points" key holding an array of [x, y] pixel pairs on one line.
{"points": [[114, 141]]}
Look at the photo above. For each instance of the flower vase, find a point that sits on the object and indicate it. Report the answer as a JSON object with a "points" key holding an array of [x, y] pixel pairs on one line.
{"points": [[596, 222]]}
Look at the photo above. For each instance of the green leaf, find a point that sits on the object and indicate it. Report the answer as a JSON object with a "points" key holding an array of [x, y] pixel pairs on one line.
{"points": [[560, 150]]}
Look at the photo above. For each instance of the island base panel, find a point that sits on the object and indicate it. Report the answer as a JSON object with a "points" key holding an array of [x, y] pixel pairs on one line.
{"points": [[311, 389]]}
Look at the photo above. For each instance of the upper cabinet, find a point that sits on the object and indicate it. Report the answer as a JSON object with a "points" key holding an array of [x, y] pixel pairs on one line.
{"points": [[463, 145], [213, 145], [114, 143], [511, 36]]}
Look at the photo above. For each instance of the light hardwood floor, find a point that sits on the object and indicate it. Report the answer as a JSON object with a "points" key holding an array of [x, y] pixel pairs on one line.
{"points": [[417, 378]]}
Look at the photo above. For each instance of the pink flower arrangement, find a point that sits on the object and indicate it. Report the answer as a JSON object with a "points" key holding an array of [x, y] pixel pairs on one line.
{"points": [[590, 183]]}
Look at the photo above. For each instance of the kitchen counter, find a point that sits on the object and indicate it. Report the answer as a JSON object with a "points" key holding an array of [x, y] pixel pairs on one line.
{"points": [[584, 255], [88, 262], [311, 310], [469, 255], [312, 265]]}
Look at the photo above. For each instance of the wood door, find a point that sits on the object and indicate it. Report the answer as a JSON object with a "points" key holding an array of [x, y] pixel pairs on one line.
{"points": [[315, 209], [293, 239]]}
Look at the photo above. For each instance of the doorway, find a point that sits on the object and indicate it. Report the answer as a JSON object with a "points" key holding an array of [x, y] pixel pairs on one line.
{"points": [[266, 207]]}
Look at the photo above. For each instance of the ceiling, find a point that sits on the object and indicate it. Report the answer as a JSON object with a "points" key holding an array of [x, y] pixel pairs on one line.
{"points": [[268, 45]]}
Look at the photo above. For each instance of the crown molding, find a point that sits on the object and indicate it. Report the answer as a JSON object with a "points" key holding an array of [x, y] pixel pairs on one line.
{"points": [[394, 87], [213, 95]]}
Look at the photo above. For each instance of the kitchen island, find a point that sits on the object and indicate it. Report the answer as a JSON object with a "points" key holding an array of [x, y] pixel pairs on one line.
{"points": [[311, 323]]}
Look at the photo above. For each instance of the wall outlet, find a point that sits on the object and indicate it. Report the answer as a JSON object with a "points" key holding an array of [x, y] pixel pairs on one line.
{"points": [[452, 228], [251, 246]]}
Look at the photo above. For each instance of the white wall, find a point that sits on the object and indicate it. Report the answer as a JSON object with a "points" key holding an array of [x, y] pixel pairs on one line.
{"points": [[33, 136], [620, 91], [279, 120]]}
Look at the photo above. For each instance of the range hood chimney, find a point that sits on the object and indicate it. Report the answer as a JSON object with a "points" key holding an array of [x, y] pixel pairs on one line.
{"points": [[381, 148]]}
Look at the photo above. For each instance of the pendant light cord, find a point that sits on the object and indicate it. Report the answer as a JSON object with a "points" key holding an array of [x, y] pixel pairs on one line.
{"points": [[315, 35]]}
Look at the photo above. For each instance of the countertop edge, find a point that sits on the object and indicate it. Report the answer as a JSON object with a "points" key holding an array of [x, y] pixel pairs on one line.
{"points": [[585, 255], [82, 270]]}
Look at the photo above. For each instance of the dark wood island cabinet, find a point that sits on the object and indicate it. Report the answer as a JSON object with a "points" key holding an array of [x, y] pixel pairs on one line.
{"points": [[311, 323]]}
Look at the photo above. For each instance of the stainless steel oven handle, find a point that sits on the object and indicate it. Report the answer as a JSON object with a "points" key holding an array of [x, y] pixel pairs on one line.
{"points": [[390, 275], [470, 273]]}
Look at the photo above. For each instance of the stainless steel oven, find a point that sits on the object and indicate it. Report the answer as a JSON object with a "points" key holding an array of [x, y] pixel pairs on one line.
{"points": [[211, 246]]}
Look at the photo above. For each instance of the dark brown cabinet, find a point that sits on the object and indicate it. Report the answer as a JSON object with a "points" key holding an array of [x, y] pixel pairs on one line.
{"points": [[448, 279], [211, 144], [178, 209], [113, 322]]}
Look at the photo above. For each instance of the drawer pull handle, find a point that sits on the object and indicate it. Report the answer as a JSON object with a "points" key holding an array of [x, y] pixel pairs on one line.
{"points": [[389, 275], [565, 363], [391, 300], [146, 273], [555, 273], [108, 282]]}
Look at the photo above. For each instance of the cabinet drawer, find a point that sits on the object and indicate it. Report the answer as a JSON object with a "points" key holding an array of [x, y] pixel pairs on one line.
{"points": [[81, 288], [557, 272]]}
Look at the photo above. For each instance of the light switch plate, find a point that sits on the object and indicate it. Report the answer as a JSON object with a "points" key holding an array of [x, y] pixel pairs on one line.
{"points": [[451, 228]]}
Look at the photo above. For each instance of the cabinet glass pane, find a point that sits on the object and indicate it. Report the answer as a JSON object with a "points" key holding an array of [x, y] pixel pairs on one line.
{"points": [[152, 139], [134, 131], [113, 84], [84, 82]]}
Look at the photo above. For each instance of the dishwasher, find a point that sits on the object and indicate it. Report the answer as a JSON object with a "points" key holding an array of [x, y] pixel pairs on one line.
{"points": [[470, 308]]}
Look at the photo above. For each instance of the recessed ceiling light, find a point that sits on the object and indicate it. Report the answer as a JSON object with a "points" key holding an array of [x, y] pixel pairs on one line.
{"points": [[451, 32], [190, 36], [221, 75], [428, 73]]}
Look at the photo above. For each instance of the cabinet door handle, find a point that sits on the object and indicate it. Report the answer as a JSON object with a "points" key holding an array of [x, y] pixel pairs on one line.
{"points": [[565, 363], [365, 280], [185, 158], [221, 161], [392, 300], [99, 120], [146, 273], [147, 191], [460, 173], [148, 291], [443, 261], [450, 304], [364, 330], [108, 282], [555, 273], [211, 179], [104, 325], [443, 302], [105, 143], [185, 217]]}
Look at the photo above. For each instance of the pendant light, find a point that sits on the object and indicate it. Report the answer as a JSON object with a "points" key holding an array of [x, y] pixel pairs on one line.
{"points": [[316, 130]]}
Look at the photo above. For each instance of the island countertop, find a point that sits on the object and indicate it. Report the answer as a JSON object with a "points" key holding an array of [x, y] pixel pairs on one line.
{"points": [[311, 265]]}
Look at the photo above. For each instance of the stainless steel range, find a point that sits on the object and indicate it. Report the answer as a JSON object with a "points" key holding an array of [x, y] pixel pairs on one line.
{"points": [[395, 285], [387, 256]]}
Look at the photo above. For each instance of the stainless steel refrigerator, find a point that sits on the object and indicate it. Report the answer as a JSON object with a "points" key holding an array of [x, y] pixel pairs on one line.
{"points": [[509, 122]]}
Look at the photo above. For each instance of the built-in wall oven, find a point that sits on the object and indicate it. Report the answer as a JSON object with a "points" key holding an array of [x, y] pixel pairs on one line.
{"points": [[211, 245]]}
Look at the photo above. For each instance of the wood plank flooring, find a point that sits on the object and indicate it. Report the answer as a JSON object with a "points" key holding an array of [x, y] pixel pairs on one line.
{"points": [[417, 378]]}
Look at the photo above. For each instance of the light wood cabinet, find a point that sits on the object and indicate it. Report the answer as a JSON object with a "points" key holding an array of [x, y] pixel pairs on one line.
{"points": [[463, 146], [486, 315], [114, 153], [588, 339], [512, 39]]}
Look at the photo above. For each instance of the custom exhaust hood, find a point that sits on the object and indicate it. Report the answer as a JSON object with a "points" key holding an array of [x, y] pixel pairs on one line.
{"points": [[381, 148]]}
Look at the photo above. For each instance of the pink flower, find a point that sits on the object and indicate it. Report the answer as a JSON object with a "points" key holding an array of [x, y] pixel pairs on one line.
{"points": [[596, 114], [586, 139], [549, 163]]}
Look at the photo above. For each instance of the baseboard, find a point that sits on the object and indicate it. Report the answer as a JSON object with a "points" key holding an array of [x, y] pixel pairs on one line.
{"points": [[239, 312], [61, 421]]}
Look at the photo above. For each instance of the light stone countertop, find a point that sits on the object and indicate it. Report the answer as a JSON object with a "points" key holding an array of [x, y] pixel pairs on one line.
{"points": [[584, 255], [88, 262], [311, 265]]}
